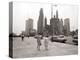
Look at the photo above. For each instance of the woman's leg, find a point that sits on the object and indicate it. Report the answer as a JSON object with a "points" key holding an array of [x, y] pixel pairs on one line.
{"points": [[38, 47], [46, 47]]}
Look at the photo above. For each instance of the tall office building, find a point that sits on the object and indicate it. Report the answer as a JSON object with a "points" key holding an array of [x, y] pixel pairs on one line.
{"points": [[57, 14], [54, 26], [61, 26], [45, 24], [29, 26], [67, 26], [40, 22], [45, 27]]}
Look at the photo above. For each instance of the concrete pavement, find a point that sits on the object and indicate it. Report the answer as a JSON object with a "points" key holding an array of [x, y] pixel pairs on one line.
{"points": [[28, 48]]}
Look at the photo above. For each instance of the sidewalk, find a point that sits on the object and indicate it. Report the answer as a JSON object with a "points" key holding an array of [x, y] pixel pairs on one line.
{"points": [[28, 48]]}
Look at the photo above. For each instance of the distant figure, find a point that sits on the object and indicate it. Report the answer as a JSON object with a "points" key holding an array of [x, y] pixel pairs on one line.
{"points": [[28, 36], [22, 36], [38, 37], [46, 42]]}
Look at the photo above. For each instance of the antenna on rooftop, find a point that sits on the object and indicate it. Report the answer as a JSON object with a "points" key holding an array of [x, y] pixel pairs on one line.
{"points": [[52, 9]]}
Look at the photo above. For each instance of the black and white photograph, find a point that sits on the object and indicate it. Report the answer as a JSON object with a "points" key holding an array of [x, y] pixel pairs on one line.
{"points": [[42, 29]]}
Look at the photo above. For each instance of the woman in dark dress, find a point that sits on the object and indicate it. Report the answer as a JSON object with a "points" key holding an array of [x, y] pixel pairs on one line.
{"points": [[22, 37], [38, 37]]}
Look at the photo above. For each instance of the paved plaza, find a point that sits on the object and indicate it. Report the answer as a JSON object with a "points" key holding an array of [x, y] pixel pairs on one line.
{"points": [[28, 48]]}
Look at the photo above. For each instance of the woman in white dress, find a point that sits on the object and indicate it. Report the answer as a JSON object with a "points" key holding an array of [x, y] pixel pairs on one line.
{"points": [[46, 42]]}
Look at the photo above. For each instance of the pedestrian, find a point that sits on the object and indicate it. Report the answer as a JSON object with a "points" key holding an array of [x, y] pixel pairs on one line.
{"points": [[46, 42], [38, 42], [22, 36], [28, 36]]}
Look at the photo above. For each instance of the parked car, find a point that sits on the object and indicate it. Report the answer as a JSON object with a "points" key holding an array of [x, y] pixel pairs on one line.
{"points": [[62, 39], [36, 36], [53, 38], [59, 38], [75, 39]]}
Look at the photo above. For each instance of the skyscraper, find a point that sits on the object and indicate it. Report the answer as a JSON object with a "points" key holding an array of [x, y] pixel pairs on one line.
{"points": [[29, 26], [45, 22], [54, 26], [61, 26], [40, 22], [67, 26], [57, 14]]}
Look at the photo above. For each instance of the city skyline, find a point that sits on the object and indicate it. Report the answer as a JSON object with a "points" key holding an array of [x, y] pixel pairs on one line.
{"points": [[27, 11], [40, 29]]}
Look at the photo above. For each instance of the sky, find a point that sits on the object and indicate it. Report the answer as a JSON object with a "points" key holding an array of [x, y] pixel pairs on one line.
{"points": [[22, 11]]}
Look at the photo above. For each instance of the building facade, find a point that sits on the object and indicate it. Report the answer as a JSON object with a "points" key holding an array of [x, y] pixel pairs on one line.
{"points": [[54, 26], [40, 24], [29, 26], [61, 26], [66, 26]]}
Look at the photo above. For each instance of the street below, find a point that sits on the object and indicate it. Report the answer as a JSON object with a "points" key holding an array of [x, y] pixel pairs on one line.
{"points": [[28, 48]]}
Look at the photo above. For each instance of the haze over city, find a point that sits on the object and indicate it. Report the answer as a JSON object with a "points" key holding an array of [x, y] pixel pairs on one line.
{"points": [[24, 11]]}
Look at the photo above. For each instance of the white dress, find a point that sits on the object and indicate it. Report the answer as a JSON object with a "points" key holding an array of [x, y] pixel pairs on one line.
{"points": [[46, 42]]}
